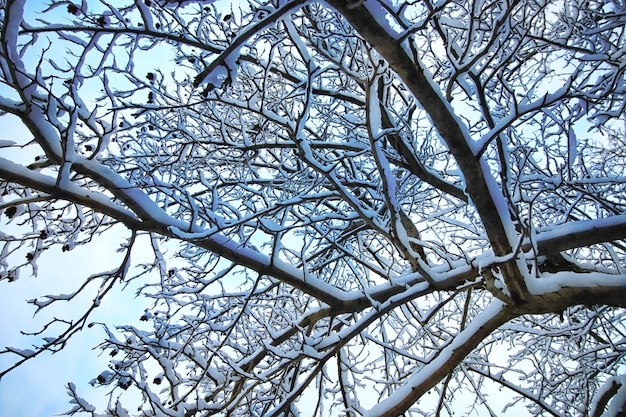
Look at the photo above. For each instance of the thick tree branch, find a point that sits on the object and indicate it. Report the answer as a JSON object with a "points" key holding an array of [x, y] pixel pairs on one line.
{"points": [[444, 362], [479, 184], [580, 234], [155, 220]]}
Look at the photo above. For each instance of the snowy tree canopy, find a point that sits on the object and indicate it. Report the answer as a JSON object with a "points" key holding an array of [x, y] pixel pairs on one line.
{"points": [[355, 208]]}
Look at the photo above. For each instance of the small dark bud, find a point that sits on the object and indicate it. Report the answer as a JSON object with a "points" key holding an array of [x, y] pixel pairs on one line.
{"points": [[156, 380], [227, 17], [43, 234], [150, 76], [88, 148], [29, 257], [102, 20], [143, 318], [65, 248], [101, 379], [10, 211], [72, 9], [150, 97]]}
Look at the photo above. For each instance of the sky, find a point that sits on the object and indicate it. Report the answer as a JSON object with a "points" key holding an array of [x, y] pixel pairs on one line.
{"points": [[37, 388]]}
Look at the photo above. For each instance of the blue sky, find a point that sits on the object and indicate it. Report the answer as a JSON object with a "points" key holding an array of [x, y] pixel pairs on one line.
{"points": [[37, 388]]}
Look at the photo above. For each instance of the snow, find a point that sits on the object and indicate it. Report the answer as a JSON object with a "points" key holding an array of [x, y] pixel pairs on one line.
{"points": [[418, 378], [11, 28], [582, 226], [215, 77], [49, 137], [501, 204], [352, 118], [236, 248], [150, 209], [271, 225], [25, 353], [184, 235], [6, 143], [45, 182], [554, 282], [302, 48], [372, 315], [617, 402], [487, 259], [145, 15], [385, 19], [617, 399], [80, 402]]}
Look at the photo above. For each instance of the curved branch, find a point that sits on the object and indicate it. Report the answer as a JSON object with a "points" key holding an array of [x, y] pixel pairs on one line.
{"points": [[444, 363]]}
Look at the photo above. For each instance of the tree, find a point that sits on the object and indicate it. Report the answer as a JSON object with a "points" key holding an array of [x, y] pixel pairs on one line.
{"points": [[383, 207]]}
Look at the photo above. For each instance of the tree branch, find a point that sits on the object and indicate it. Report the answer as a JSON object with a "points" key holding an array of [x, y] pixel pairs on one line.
{"points": [[444, 363]]}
